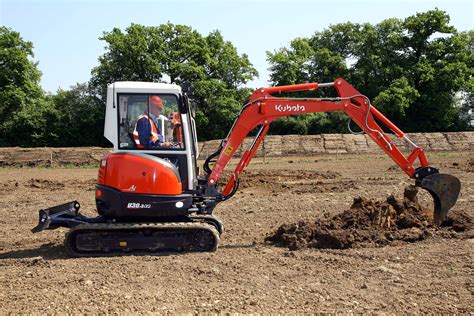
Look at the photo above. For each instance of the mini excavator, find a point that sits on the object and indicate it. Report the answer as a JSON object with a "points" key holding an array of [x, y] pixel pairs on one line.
{"points": [[153, 200]]}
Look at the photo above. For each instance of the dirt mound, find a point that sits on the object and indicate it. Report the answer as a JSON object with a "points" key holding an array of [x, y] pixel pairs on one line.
{"points": [[369, 223], [44, 184]]}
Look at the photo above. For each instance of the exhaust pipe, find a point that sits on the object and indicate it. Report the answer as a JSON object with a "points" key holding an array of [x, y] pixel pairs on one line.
{"points": [[444, 188]]}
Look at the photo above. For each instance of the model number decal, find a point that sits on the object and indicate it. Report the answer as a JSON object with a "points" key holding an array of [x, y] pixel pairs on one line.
{"points": [[138, 205]]}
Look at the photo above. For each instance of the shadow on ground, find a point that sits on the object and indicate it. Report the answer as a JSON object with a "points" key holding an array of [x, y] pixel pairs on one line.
{"points": [[48, 251], [53, 251]]}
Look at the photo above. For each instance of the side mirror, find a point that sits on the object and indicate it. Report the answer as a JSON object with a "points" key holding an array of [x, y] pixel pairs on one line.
{"points": [[187, 88]]}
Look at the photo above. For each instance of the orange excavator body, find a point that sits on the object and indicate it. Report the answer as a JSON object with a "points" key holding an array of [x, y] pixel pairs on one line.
{"points": [[141, 174]]}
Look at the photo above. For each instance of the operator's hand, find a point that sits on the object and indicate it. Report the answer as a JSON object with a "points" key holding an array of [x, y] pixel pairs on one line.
{"points": [[166, 144]]}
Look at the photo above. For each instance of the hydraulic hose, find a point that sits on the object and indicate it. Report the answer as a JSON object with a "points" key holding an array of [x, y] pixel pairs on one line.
{"points": [[209, 159]]}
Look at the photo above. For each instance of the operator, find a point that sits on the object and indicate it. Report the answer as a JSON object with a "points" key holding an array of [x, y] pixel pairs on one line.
{"points": [[146, 133]]}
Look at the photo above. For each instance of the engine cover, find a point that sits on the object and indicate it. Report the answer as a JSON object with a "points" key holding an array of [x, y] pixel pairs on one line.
{"points": [[139, 173], [137, 186]]}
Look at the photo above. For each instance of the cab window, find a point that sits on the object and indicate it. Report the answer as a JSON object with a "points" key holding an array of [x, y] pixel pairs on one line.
{"points": [[149, 121]]}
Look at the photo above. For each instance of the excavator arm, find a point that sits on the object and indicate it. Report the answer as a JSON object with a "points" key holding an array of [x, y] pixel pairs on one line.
{"points": [[263, 108]]}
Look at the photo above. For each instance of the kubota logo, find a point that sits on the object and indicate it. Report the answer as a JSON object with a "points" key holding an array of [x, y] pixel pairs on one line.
{"points": [[132, 188], [288, 108], [138, 205]]}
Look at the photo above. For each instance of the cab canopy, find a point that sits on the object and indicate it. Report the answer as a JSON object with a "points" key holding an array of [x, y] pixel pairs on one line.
{"points": [[127, 101]]}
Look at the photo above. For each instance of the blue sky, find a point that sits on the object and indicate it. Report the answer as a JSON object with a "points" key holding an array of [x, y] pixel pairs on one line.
{"points": [[65, 33]]}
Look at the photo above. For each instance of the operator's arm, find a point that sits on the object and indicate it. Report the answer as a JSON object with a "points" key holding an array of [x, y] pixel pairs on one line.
{"points": [[144, 132]]}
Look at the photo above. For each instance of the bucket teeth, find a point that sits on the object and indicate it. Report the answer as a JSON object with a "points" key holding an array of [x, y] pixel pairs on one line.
{"points": [[444, 188]]}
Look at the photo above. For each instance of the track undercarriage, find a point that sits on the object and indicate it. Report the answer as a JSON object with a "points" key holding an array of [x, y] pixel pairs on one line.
{"points": [[95, 237], [92, 240]]}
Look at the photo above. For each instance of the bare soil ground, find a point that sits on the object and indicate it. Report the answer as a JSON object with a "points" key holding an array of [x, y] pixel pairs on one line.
{"points": [[247, 274]]}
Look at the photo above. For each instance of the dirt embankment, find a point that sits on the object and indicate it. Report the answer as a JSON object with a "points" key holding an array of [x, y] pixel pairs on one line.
{"points": [[273, 146], [51, 157], [46, 184], [369, 223]]}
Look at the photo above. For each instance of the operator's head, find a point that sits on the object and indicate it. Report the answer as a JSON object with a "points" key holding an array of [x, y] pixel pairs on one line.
{"points": [[156, 105]]}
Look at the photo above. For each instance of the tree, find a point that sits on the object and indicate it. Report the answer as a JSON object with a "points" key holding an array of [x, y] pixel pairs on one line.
{"points": [[411, 69], [80, 117], [35, 125], [440, 68], [27, 117], [19, 78], [467, 96], [179, 54]]}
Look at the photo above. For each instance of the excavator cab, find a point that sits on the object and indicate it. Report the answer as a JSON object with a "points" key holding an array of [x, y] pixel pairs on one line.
{"points": [[152, 171], [129, 102]]}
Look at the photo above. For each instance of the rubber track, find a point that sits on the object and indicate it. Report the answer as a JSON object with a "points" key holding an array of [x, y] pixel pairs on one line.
{"points": [[209, 219], [137, 226]]}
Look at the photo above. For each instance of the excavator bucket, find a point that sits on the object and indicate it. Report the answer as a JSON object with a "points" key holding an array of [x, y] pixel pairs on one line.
{"points": [[444, 188]]}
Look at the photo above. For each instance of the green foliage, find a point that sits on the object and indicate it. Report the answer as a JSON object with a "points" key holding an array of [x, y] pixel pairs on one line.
{"points": [[411, 69], [289, 65], [28, 117], [466, 99], [396, 98], [81, 117], [34, 125], [181, 54], [217, 107], [24, 110]]}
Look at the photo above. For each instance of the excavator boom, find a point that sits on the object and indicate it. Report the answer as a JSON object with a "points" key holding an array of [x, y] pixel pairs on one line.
{"points": [[263, 108]]}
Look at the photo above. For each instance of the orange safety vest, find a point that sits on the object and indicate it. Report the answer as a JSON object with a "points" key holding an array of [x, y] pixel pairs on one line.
{"points": [[154, 131]]}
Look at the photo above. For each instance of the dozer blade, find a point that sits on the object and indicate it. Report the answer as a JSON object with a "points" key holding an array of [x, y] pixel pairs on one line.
{"points": [[48, 217], [444, 188]]}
